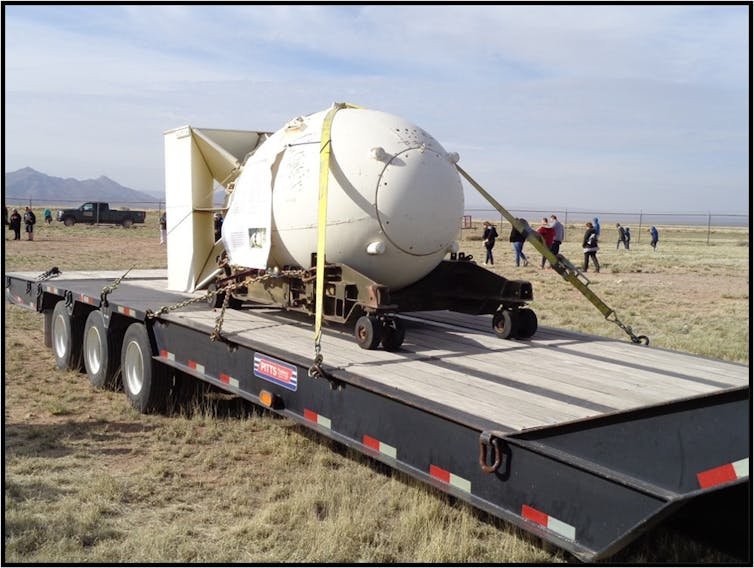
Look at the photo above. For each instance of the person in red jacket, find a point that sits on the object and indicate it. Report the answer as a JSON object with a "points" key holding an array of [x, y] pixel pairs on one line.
{"points": [[548, 235]]}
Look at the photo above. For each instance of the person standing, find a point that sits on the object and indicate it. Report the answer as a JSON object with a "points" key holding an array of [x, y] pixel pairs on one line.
{"points": [[548, 236], [163, 228], [655, 236], [559, 234], [30, 220], [218, 226], [48, 216], [518, 240], [590, 246], [596, 227], [627, 242], [621, 236], [15, 224], [488, 237]]}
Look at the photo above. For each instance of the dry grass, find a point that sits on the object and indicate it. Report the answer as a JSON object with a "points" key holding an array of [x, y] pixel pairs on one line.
{"points": [[87, 479]]}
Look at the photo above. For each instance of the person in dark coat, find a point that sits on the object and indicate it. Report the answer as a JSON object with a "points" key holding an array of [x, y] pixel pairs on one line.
{"points": [[15, 224], [518, 240], [590, 247], [30, 220], [655, 235], [627, 242], [218, 227], [489, 236]]}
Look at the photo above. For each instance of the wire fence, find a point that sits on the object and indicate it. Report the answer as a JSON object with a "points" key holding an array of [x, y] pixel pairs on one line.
{"points": [[706, 227], [699, 227]]}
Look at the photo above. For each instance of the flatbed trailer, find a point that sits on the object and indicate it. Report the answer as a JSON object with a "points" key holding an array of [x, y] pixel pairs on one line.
{"points": [[584, 441]]}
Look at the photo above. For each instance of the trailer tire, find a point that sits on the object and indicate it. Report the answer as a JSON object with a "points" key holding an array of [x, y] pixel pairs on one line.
{"points": [[69, 221], [393, 334], [368, 332], [101, 356], [67, 338], [127, 223], [144, 380], [527, 323], [505, 324]]}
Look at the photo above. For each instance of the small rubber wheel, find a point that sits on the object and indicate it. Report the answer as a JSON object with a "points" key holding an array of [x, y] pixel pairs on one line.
{"points": [[393, 334], [216, 301], [368, 332], [67, 338], [144, 380], [101, 356], [527, 323], [504, 324]]}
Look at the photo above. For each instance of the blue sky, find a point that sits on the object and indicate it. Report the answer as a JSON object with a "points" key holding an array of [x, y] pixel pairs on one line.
{"points": [[608, 108]]}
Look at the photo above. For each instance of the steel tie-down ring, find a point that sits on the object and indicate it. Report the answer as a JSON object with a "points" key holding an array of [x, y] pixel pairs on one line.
{"points": [[486, 439]]}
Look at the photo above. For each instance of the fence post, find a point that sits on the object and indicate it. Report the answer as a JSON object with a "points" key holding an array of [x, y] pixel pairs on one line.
{"points": [[641, 214], [709, 225]]}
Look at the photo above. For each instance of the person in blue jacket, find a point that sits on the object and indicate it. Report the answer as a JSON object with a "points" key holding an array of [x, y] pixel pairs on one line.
{"points": [[596, 225], [654, 233]]}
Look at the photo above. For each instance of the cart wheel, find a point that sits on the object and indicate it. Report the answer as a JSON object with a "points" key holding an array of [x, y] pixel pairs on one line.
{"points": [[527, 323], [504, 324], [145, 381], [101, 356], [216, 301], [368, 332], [393, 334], [66, 338]]}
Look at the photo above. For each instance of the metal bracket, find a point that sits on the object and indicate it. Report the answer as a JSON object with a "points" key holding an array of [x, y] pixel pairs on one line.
{"points": [[487, 439]]}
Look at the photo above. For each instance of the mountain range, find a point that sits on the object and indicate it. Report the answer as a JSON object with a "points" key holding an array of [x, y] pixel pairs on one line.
{"points": [[27, 184]]}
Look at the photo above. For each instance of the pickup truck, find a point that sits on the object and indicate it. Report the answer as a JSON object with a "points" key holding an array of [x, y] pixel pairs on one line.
{"points": [[100, 212]]}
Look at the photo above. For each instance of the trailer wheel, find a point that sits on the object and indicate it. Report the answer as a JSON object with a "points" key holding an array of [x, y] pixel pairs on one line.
{"points": [[69, 221], [368, 332], [100, 353], [144, 380], [504, 324], [527, 323], [66, 338], [393, 334], [127, 223]]}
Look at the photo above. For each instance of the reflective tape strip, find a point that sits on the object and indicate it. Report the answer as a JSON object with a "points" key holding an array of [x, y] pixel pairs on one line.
{"points": [[167, 355], [551, 523], [53, 290], [126, 311], [723, 474], [86, 299], [450, 478], [319, 419], [381, 447], [196, 366], [228, 380]]}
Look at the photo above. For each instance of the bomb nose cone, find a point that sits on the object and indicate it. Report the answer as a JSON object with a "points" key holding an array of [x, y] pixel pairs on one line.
{"points": [[418, 199]]}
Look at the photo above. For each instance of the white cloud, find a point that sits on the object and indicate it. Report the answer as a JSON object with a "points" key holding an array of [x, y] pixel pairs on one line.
{"points": [[627, 105]]}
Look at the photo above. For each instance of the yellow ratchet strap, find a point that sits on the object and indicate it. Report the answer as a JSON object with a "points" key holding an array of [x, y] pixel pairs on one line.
{"points": [[324, 176]]}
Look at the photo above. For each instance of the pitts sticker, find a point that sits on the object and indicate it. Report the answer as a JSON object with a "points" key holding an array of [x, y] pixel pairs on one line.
{"points": [[275, 371]]}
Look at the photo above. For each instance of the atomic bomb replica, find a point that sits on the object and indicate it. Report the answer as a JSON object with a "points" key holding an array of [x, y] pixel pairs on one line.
{"points": [[392, 200]]}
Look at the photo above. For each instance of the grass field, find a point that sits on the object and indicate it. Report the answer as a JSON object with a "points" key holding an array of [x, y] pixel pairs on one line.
{"points": [[88, 479]]}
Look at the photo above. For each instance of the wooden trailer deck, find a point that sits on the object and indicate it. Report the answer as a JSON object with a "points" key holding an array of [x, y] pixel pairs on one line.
{"points": [[452, 364]]}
